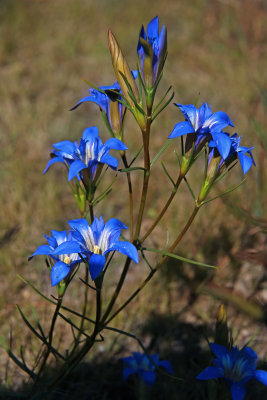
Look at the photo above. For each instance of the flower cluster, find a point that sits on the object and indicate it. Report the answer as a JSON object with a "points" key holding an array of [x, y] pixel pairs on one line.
{"points": [[236, 367], [202, 126], [85, 243], [141, 365]]}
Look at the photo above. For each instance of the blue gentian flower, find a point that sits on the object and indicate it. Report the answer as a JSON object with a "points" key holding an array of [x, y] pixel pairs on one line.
{"points": [[243, 153], [100, 98], [64, 152], [108, 103], [236, 367], [141, 365], [203, 123], [152, 46], [64, 262], [88, 155], [96, 241]]}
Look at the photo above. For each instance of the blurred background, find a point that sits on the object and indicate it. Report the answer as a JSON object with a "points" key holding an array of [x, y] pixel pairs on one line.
{"points": [[216, 53]]}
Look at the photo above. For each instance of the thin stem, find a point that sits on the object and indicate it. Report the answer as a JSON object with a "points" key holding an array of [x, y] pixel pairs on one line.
{"points": [[91, 211], [50, 339], [146, 136], [117, 290], [85, 304], [164, 209], [87, 346], [130, 189], [158, 266]]}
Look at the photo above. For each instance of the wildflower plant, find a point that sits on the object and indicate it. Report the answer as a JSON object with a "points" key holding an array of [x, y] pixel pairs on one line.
{"points": [[91, 245]]}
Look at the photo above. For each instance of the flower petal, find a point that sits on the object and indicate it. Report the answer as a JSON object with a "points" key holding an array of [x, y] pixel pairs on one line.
{"points": [[218, 121], [82, 227], [110, 233], [148, 376], [114, 143], [261, 376], [109, 160], [128, 371], [218, 349], [166, 365], [59, 271], [53, 161], [126, 248], [223, 143], [90, 134], [67, 247], [75, 168], [182, 128], [245, 161], [96, 265], [238, 391], [153, 28], [209, 373], [43, 249], [190, 113]]}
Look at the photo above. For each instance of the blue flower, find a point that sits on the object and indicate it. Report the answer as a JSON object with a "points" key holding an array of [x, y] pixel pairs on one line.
{"points": [[243, 153], [141, 365], [88, 155], [108, 103], [236, 367], [64, 152], [96, 241], [152, 47], [64, 262], [203, 123], [100, 98]]}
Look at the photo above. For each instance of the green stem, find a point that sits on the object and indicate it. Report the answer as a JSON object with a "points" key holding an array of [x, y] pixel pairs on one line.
{"points": [[86, 289], [158, 266], [146, 136], [117, 290], [164, 209], [130, 189]]}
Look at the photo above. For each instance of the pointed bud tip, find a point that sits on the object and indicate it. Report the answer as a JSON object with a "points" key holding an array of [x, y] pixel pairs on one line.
{"points": [[221, 314]]}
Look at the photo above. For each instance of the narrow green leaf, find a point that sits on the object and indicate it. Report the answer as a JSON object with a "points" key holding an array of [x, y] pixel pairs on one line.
{"points": [[161, 101], [167, 173], [190, 189], [15, 359], [136, 156], [131, 169], [224, 193], [165, 253], [37, 320], [160, 152], [163, 107]]}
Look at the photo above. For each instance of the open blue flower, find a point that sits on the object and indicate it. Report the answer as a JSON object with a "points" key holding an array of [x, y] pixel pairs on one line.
{"points": [[96, 241], [152, 46], [203, 123], [64, 262], [88, 155], [236, 367], [92, 152], [141, 365]]}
